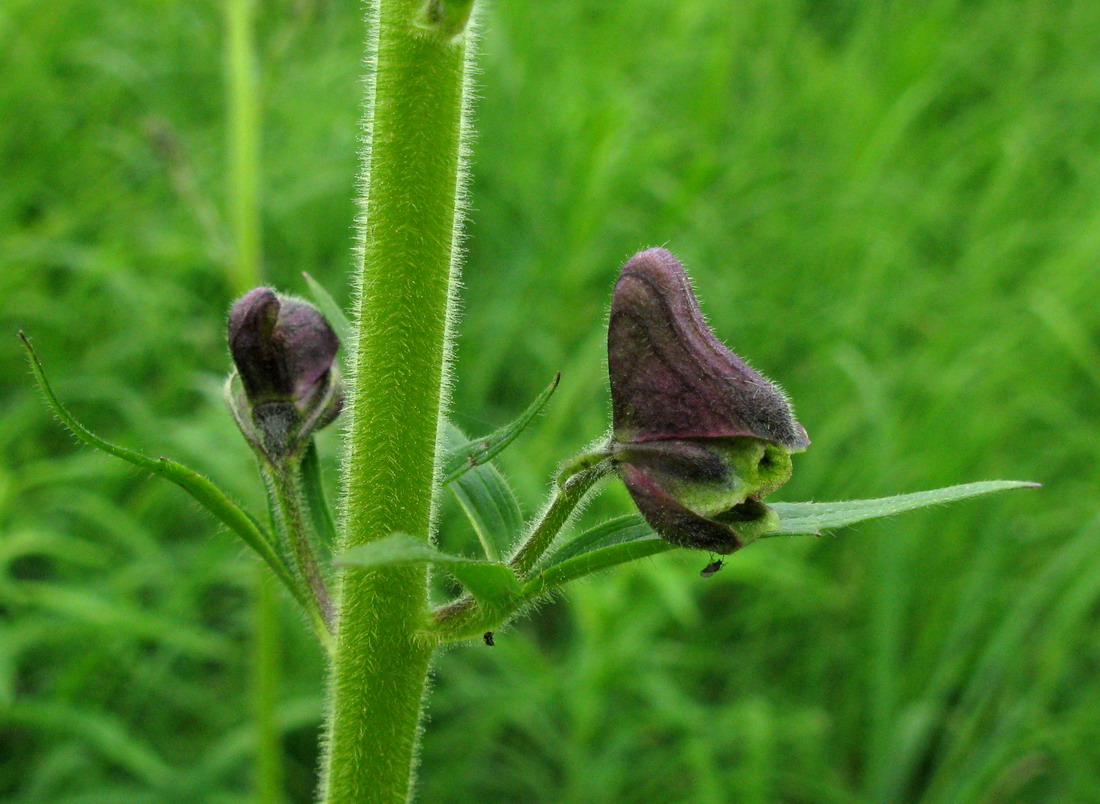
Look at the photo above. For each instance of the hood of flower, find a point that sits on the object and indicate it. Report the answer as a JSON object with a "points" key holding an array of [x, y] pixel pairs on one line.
{"points": [[670, 375], [699, 436], [283, 347], [286, 384]]}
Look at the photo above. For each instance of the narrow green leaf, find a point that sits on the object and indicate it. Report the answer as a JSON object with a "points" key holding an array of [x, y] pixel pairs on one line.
{"points": [[811, 517], [493, 585], [319, 511], [488, 502], [626, 538], [328, 306], [102, 732], [491, 507], [202, 490], [481, 450], [594, 561], [619, 530]]}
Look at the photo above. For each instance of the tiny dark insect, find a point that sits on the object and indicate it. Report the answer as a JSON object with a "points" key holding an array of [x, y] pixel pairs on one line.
{"points": [[711, 568], [489, 638]]}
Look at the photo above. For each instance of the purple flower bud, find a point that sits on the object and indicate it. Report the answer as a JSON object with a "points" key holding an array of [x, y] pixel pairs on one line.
{"points": [[699, 436], [286, 385]]}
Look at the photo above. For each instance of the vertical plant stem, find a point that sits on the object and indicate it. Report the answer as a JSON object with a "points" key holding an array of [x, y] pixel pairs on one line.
{"points": [[243, 195], [265, 657], [411, 214], [243, 112]]}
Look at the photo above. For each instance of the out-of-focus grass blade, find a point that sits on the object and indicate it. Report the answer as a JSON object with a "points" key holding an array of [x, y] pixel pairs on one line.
{"points": [[202, 490], [619, 530], [812, 517], [122, 617], [106, 734], [332, 311], [481, 450], [493, 585]]}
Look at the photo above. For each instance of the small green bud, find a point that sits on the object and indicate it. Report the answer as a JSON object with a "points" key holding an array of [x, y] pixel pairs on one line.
{"points": [[700, 437], [286, 384]]}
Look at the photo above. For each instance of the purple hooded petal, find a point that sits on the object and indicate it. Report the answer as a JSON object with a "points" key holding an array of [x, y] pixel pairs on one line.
{"points": [[283, 348], [671, 378], [672, 521], [256, 352], [310, 344]]}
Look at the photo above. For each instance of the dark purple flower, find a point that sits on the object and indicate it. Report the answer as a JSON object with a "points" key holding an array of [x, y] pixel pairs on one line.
{"points": [[699, 436], [286, 384]]}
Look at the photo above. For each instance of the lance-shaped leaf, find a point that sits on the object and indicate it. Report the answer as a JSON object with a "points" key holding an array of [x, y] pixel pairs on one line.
{"points": [[814, 517], [795, 518], [319, 510], [473, 453], [492, 585], [491, 507], [202, 490], [488, 502], [619, 530]]}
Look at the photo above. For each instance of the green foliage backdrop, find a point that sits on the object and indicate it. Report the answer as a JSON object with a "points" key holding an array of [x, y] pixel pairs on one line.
{"points": [[891, 208]]}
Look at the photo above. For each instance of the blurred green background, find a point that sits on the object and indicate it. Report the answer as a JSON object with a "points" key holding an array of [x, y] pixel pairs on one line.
{"points": [[891, 208]]}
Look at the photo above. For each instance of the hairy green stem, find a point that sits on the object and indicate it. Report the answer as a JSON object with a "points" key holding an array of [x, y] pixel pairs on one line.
{"points": [[306, 596], [411, 213], [563, 505], [287, 490], [464, 618]]}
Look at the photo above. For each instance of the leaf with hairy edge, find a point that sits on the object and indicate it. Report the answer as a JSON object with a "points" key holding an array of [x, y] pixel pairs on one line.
{"points": [[615, 531], [595, 561], [337, 319], [804, 518], [202, 490], [493, 585], [481, 450], [813, 517]]}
